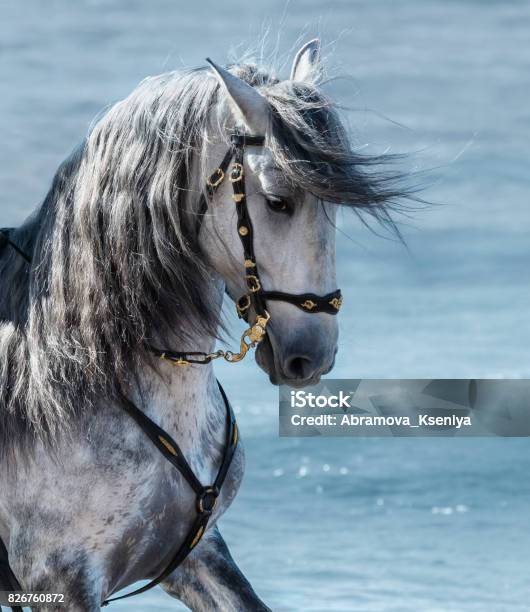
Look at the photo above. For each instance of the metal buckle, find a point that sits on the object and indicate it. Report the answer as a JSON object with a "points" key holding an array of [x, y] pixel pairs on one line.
{"points": [[207, 499], [257, 332], [253, 283], [214, 182], [242, 305], [237, 172], [250, 338]]}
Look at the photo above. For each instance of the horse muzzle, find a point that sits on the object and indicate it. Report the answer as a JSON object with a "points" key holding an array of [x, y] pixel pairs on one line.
{"points": [[297, 355]]}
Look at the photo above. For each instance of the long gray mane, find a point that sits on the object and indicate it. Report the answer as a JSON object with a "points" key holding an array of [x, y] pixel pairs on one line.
{"points": [[115, 247]]}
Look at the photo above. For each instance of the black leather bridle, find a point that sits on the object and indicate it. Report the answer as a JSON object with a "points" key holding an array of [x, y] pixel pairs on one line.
{"points": [[256, 297]]}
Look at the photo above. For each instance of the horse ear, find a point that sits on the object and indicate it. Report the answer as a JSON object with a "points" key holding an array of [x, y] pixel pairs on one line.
{"points": [[306, 64], [246, 100]]}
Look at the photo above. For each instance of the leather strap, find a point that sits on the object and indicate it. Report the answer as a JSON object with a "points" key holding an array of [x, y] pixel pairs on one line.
{"points": [[308, 302], [246, 232], [212, 184], [182, 357], [206, 496], [237, 140], [5, 240], [8, 580], [246, 140]]}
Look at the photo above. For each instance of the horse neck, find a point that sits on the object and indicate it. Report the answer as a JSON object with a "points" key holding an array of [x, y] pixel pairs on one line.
{"points": [[181, 398]]}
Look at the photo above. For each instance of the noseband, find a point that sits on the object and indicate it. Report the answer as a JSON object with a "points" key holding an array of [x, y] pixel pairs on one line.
{"points": [[256, 297]]}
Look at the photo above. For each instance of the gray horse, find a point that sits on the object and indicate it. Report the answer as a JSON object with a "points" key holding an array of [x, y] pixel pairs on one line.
{"points": [[118, 264]]}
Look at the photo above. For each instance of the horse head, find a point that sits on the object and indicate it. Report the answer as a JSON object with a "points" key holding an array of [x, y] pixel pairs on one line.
{"points": [[293, 185]]}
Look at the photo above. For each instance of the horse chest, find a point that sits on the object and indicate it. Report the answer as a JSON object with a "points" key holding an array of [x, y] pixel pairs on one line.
{"points": [[113, 499], [155, 506]]}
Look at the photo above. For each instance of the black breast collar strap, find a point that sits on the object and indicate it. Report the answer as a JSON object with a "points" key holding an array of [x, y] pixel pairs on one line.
{"points": [[5, 240], [205, 496]]}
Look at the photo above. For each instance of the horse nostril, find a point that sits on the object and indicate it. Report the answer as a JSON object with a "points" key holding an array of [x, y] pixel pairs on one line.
{"points": [[299, 367]]}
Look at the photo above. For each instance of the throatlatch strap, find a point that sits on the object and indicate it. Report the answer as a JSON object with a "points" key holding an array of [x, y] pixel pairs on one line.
{"points": [[206, 496], [182, 357]]}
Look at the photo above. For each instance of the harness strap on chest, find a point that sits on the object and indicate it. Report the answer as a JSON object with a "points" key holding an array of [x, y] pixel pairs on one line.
{"points": [[206, 496], [8, 580]]}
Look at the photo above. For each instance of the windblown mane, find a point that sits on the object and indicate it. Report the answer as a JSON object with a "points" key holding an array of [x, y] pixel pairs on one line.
{"points": [[115, 246]]}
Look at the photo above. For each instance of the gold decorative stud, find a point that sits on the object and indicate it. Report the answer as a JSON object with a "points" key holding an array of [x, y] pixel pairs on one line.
{"points": [[249, 263], [169, 446], [242, 305], [243, 231], [238, 197], [336, 303], [309, 305], [197, 537]]}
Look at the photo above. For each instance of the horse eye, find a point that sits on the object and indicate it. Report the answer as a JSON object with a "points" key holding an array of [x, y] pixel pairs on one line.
{"points": [[281, 206]]}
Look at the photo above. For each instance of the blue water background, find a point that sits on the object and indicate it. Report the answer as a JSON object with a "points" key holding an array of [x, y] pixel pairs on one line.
{"points": [[351, 524]]}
